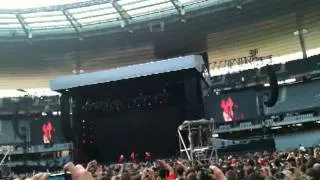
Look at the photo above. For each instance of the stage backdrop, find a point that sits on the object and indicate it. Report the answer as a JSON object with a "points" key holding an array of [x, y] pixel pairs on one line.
{"points": [[231, 106], [152, 130]]}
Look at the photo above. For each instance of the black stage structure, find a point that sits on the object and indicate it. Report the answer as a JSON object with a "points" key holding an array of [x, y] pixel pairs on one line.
{"points": [[130, 109]]}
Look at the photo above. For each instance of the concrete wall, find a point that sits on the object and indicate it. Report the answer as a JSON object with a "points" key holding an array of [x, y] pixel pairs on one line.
{"points": [[293, 140]]}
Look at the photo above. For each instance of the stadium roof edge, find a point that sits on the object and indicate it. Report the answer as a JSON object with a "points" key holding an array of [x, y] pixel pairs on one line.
{"points": [[54, 7]]}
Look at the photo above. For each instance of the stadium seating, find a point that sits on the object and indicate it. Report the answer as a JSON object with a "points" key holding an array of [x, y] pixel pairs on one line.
{"points": [[30, 104], [296, 97]]}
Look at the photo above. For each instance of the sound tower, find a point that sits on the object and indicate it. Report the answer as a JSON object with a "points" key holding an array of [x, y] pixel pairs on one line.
{"points": [[274, 87]]}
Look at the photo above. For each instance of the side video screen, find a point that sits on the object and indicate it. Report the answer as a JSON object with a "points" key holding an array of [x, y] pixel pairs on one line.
{"points": [[231, 106], [46, 130]]}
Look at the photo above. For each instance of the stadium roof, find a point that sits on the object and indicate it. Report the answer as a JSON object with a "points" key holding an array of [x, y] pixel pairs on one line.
{"points": [[35, 18], [224, 31]]}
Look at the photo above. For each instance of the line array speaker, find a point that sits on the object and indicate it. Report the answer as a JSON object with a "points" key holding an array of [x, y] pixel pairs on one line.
{"points": [[274, 87]]}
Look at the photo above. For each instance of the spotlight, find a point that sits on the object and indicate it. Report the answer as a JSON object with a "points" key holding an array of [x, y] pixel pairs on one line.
{"points": [[304, 31], [276, 127], [215, 135], [239, 6], [43, 114], [54, 113]]}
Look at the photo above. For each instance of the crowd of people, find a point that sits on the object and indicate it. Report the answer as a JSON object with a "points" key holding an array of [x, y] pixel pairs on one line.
{"points": [[302, 164]]}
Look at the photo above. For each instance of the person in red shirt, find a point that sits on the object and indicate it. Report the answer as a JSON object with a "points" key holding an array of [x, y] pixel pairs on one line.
{"points": [[133, 157], [122, 158], [148, 156], [166, 166]]}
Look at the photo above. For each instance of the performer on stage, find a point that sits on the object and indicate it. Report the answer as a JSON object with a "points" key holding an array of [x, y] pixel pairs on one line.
{"points": [[47, 132]]}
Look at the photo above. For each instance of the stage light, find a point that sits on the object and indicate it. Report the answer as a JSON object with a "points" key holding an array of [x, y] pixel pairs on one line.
{"points": [[276, 127], [299, 124], [54, 113], [304, 31], [292, 80], [215, 135], [239, 7], [318, 122], [83, 121], [43, 114]]}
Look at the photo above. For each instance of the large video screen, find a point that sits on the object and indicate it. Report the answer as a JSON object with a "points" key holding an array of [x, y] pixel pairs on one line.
{"points": [[231, 106], [46, 130]]}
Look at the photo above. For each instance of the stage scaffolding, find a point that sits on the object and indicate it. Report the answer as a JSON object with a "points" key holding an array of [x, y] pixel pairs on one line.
{"points": [[198, 145]]}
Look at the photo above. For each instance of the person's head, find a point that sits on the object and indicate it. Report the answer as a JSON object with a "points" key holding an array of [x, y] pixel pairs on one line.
{"points": [[292, 162], [313, 173], [232, 175], [148, 174], [125, 176], [115, 178], [251, 162], [104, 178], [191, 176], [277, 163], [250, 171], [255, 176], [163, 173], [180, 171]]}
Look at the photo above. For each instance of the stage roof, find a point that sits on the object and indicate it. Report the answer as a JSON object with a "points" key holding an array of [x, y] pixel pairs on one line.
{"points": [[128, 72]]}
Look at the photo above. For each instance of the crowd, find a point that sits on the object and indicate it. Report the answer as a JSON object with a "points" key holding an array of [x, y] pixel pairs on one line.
{"points": [[302, 164]]}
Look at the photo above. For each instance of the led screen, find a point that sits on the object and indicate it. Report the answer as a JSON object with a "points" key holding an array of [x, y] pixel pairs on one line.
{"points": [[231, 106], [46, 130]]}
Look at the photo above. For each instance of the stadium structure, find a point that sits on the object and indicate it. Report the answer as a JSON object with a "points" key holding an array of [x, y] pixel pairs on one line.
{"points": [[235, 40]]}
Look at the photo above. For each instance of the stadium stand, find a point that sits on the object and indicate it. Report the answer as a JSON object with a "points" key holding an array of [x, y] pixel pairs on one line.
{"points": [[296, 98]]}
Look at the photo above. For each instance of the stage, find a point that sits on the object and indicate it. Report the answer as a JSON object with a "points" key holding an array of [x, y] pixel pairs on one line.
{"points": [[131, 109]]}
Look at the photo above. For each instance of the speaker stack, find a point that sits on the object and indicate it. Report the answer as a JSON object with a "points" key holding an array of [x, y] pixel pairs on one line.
{"points": [[274, 87]]}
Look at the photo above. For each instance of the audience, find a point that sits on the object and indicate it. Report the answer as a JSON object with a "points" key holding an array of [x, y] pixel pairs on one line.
{"points": [[297, 165]]}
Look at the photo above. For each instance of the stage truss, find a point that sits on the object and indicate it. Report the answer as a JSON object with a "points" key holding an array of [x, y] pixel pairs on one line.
{"points": [[198, 145]]}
